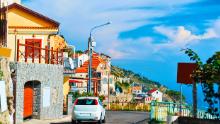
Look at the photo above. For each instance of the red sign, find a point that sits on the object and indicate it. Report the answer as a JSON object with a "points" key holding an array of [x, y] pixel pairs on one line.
{"points": [[184, 72]]}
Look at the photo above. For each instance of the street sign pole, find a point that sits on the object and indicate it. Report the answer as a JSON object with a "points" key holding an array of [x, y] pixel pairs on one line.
{"points": [[181, 99], [194, 100]]}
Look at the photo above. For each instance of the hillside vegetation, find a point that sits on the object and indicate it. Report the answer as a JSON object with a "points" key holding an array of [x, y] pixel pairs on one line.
{"points": [[169, 95], [134, 77]]}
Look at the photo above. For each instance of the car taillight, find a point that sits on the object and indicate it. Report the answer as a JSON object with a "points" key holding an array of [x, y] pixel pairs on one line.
{"points": [[96, 102], [75, 102]]}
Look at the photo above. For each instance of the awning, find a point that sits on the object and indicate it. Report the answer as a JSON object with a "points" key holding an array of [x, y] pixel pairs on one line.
{"points": [[74, 81]]}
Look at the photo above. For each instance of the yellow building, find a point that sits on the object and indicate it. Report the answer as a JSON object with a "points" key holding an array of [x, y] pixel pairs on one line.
{"points": [[29, 33], [34, 38]]}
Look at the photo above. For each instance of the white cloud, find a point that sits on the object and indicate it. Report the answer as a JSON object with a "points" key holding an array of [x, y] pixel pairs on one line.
{"points": [[78, 16], [181, 37]]}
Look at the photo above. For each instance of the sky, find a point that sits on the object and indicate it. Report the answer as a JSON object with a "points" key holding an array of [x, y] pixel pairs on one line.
{"points": [[145, 36]]}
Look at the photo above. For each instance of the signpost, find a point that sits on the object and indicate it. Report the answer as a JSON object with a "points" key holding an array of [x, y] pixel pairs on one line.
{"points": [[184, 76]]}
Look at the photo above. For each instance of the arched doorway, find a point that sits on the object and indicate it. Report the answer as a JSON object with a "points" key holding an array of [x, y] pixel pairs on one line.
{"points": [[32, 99]]}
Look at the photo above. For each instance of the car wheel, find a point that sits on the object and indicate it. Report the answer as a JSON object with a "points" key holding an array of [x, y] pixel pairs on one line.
{"points": [[100, 121], [103, 121], [74, 122]]}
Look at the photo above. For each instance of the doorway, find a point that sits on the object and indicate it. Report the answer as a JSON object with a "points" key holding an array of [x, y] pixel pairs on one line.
{"points": [[32, 98]]}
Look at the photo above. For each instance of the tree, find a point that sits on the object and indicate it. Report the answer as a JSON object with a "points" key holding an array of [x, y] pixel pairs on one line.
{"points": [[208, 74], [175, 95]]}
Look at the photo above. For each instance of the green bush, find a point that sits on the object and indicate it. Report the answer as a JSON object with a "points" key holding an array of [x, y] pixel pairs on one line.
{"points": [[102, 97], [75, 95]]}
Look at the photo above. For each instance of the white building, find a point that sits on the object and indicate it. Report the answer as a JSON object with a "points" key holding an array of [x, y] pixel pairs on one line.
{"points": [[104, 85], [154, 94], [81, 58], [136, 88]]}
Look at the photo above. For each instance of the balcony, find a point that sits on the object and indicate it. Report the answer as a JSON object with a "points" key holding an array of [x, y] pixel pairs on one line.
{"points": [[33, 53]]}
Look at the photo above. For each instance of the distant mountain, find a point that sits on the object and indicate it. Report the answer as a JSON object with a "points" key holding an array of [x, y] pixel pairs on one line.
{"points": [[134, 77], [169, 95]]}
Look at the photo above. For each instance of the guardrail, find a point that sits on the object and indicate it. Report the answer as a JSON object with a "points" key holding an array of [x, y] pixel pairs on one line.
{"points": [[160, 110]]}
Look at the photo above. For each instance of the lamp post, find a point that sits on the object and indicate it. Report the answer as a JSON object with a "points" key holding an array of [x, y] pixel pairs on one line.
{"points": [[91, 45]]}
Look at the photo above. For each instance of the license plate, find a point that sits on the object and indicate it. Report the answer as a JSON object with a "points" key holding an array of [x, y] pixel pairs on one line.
{"points": [[85, 114]]}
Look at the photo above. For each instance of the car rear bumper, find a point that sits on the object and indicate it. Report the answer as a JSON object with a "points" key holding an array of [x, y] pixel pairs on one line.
{"points": [[86, 116]]}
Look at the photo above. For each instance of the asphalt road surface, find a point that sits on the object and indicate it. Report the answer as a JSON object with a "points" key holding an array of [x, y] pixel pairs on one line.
{"points": [[112, 117], [124, 117]]}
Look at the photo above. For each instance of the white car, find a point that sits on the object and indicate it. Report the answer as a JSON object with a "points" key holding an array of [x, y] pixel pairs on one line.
{"points": [[88, 109]]}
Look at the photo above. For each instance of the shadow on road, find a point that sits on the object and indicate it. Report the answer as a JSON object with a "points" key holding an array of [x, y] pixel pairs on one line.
{"points": [[71, 123], [61, 123]]}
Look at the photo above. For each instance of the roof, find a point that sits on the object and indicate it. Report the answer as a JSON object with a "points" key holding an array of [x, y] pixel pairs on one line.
{"points": [[136, 88], [29, 27], [36, 14], [96, 60], [151, 91]]}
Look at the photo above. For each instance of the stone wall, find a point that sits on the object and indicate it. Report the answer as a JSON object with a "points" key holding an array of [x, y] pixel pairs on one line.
{"points": [[189, 120], [48, 76], [4, 67]]}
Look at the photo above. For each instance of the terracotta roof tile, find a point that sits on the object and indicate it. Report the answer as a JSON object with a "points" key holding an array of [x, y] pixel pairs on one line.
{"points": [[153, 90], [96, 60]]}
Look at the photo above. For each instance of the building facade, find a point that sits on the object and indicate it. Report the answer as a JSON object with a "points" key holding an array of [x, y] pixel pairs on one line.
{"points": [[154, 94]]}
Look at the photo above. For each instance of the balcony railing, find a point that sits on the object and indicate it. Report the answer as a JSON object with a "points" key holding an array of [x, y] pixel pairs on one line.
{"points": [[33, 54]]}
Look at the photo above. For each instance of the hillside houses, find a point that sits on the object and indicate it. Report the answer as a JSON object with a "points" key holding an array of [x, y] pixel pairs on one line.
{"points": [[154, 94], [101, 74]]}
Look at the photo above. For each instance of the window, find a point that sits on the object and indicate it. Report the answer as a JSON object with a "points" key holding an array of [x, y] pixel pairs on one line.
{"points": [[33, 47], [86, 102], [80, 63]]}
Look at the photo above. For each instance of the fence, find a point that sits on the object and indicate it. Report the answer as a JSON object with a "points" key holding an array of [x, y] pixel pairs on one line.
{"points": [[160, 111], [129, 106], [35, 54]]}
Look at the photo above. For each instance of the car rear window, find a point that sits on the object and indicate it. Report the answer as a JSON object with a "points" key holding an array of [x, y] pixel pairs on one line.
{"points": [[86, 102]]}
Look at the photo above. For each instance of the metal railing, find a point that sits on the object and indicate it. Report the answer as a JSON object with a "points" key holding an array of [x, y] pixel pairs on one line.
{"points": [[38, 54], [160, 110]]}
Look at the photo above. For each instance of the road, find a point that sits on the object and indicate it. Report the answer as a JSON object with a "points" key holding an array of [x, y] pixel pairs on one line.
{"points": [[112, 117]]}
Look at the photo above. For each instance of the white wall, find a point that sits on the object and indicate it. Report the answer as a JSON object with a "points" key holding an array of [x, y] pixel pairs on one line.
{"points": [[157, 95], [82, 58], [104, 85]]}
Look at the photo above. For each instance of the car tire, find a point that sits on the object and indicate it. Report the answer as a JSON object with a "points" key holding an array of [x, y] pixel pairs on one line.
{"points": [[103, 121], [74, 122], [100, 120]]}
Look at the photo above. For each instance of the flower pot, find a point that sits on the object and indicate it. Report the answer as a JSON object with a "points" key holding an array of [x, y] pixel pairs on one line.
{"points": [[171, 118]]}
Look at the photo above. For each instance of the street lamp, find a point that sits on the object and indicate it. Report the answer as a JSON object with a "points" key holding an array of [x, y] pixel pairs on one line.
{"points": [[91, 45]]}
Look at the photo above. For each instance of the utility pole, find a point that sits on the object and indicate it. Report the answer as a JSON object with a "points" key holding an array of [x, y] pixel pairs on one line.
{"points": [[91, 45], [181, 101]]}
